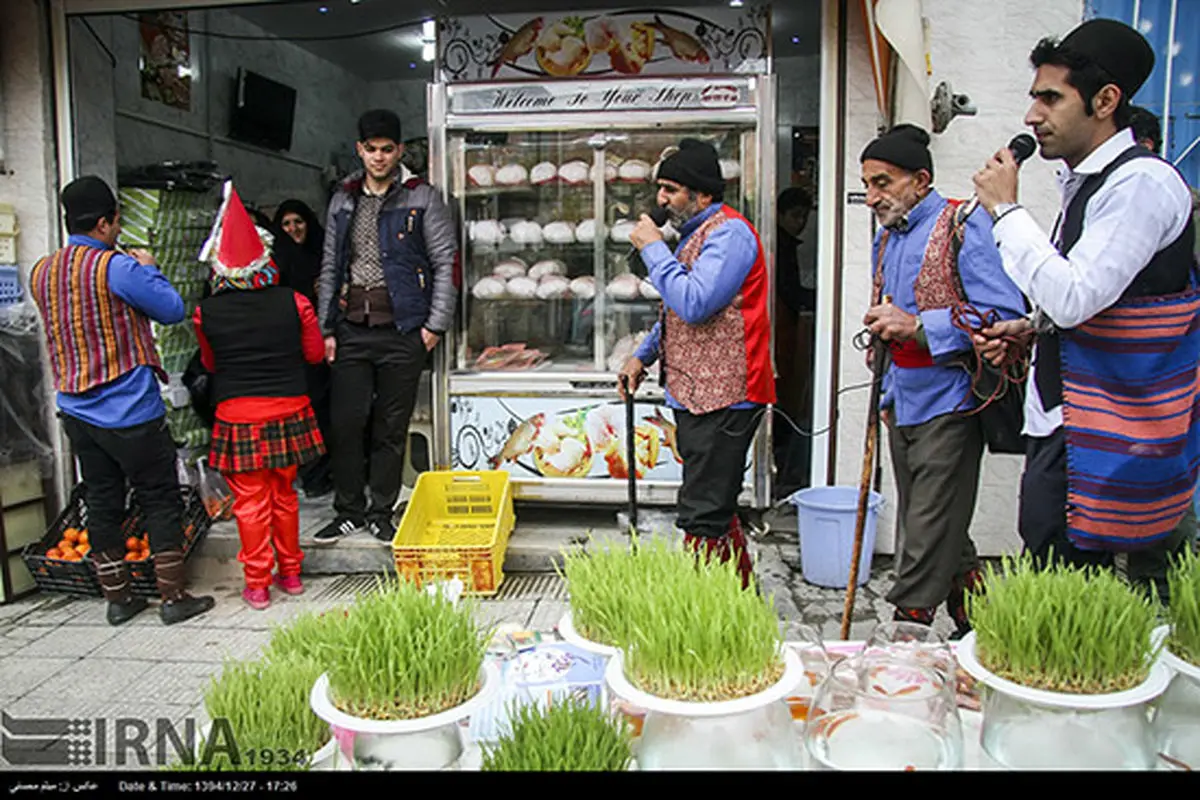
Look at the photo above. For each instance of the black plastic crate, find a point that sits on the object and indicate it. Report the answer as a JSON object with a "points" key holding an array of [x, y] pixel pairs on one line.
{"points": [[196, 523], [79, 577], [55, 575]]}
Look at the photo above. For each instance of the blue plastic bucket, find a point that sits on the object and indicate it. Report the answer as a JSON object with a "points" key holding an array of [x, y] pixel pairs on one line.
{"points": [[826, 517]]}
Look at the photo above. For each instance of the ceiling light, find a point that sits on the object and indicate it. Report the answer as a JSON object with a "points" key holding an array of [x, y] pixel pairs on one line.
{"points": [[736, 3], [323, 9], [412, 65], [427, 52], [429, 30], [795, 40]]}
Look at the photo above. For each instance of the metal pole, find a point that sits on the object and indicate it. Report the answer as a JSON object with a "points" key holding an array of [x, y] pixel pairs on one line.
{"points": [[1166, 117]]}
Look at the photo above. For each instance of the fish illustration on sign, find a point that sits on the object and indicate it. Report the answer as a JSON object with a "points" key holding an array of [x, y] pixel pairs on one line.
{"points": [[521, 441], [521, 44], [668, 431], [683, 46]]}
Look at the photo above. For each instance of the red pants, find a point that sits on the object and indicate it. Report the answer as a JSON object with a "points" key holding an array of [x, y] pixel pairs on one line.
{"points": [[268, 513]]}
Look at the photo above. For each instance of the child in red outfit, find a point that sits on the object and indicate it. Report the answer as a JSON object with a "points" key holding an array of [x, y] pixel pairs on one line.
{"points": [[255, 337]]}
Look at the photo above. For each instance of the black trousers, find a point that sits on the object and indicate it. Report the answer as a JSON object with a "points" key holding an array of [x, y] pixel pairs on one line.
{"points": [[936, 465], [713, 447], [143, 456], [375, 376], [1042, 521]]}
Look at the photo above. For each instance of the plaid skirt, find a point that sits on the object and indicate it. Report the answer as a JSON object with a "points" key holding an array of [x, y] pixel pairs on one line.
{"points": [[277, 443]]}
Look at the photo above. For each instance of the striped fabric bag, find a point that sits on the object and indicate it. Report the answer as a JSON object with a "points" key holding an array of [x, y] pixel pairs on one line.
{"points": [[1130, 410]]}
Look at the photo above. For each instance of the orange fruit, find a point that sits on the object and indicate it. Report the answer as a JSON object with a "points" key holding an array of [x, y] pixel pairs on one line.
{"points": [[53, 552], [131, 556], [83, 537], [63, 543], [132, 544], [72, 555], [66, 550], [71, 535], [83, 548]]}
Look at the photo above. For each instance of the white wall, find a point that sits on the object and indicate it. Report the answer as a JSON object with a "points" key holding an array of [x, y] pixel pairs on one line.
{"points": [[29, 179], [982, 48]]}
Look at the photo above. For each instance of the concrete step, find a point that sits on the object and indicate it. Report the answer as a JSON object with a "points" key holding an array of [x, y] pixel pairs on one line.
{"points": [[535, 546]]}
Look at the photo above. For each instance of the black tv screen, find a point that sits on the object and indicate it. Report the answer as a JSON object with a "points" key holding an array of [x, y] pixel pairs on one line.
{"points": [[263, 111]]}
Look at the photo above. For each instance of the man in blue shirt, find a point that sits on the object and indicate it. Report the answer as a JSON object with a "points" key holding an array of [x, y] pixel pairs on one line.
{"points": [[713, 339], [96, 305], [935, 451]]}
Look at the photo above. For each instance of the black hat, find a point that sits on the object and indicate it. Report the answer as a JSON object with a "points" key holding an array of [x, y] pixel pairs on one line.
{"points": [[695, 166], [906, 146], [88, 198], [379, 123], [1116, 48]]}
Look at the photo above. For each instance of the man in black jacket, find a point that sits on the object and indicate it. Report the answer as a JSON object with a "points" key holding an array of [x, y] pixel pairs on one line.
{"points": [[386, 296]]}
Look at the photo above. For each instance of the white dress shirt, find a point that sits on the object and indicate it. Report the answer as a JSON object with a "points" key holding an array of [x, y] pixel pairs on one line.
{"points": [[1142, 207]]}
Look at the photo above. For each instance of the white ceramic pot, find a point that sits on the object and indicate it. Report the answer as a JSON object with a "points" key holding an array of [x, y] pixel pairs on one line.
{"points": [[1026, 728], [428, 743], [754, 732], [1176, 722]]}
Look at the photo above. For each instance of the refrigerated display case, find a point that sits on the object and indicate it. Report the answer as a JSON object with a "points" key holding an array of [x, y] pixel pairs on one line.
{"points": [[547, 181]]}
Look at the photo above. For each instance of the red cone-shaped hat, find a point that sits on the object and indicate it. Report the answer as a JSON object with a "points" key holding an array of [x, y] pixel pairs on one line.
{"points": [[236, 247]]}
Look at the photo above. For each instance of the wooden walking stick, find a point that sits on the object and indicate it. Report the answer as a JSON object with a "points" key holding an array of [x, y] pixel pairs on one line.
{"points": [[878, 362]]}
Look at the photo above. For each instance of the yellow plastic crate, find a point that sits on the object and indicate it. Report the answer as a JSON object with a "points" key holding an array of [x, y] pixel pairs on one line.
{"points": [[456, 525]]}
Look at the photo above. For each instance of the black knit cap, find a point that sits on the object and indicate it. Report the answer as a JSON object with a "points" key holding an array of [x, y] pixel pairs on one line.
{"points": [[379, 123], [1116, 48], [906, 146], [88, 198], [695, 166]]}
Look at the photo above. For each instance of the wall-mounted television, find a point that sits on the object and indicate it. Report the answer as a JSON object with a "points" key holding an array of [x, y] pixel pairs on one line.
{"points": [[263, 111]]}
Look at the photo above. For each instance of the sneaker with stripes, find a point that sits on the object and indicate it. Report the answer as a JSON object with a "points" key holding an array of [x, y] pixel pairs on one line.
{"points": [[334, 531]]}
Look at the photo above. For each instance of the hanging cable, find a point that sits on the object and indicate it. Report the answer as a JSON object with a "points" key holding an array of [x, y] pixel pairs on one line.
{"points": [[247, 38]]}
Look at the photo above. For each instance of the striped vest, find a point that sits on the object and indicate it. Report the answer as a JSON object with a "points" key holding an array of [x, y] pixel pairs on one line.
{"points": [[1129, 388], [93, 336], [727, 359]]}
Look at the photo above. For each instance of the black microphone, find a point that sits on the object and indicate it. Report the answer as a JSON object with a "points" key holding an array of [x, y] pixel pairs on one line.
{"points": [[659, 216], [1022, 147]]}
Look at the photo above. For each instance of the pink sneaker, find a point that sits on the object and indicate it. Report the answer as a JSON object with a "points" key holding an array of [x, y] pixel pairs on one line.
{"points": [[290, 584], [257, 598]]}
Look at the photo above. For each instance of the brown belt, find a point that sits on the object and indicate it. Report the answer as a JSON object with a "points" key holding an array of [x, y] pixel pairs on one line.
{"points": [[370, 307]]}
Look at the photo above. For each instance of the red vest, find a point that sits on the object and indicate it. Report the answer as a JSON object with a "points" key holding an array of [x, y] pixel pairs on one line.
{"points": [[93, 336], [727, 359]]}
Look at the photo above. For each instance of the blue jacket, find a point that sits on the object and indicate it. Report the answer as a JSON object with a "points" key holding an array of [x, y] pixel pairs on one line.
{"points": [[419, 241]]}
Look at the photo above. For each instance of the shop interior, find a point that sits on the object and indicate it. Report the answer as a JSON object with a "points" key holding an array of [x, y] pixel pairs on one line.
{"points": [[167, 103]]}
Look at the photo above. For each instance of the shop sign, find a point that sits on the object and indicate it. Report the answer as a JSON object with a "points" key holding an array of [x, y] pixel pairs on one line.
{"points": [[652, 95], [607, 44]]}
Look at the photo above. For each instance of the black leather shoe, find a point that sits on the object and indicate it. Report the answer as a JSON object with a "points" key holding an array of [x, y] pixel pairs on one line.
{"points": [[120, 613], [185, 607]]}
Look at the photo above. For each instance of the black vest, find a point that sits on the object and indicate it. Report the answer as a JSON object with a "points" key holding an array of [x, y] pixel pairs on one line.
{"points": [[1167, 273], [256, 344]]}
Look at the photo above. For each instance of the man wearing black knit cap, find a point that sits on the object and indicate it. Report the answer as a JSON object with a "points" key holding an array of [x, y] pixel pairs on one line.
{"points": [[919, 279], [385, 297], [1113, 382], [713, 337]]}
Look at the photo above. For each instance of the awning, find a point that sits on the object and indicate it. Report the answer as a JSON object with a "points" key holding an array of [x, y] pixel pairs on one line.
{"points": [[899, 60]]}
